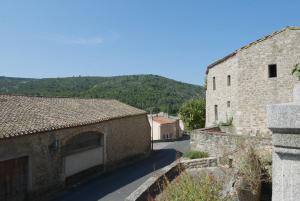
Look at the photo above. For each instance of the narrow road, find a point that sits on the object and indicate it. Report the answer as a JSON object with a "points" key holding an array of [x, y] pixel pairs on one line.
{"points": [[116, 186]]}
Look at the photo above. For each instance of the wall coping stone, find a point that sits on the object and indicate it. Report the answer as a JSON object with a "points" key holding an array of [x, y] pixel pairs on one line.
{"points": [[220, 133], [140, 193]]}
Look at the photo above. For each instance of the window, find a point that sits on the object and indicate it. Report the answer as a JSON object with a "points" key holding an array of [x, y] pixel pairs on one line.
{"points": [[228, 80], [214, 83], [272, 70], [216, 113], [228, 103]]}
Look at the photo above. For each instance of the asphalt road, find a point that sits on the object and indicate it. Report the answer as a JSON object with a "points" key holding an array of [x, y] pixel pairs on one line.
{"points": [[116, 186]]}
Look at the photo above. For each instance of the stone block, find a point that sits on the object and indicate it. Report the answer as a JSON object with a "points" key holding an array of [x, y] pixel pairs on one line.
{"points": [[284, 121], [284, 118]]}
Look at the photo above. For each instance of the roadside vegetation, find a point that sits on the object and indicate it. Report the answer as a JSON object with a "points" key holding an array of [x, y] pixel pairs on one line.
{"points": [[254, 168], [192, 114], [195, 154], [203, 187]]}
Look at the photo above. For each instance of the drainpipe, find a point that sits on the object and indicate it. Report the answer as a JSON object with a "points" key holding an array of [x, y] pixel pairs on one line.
{"points": [[152, 134], [151, 130]]}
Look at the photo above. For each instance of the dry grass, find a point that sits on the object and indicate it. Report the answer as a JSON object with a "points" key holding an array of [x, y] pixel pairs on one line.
{"points": [[187, 188], [253, 167]]}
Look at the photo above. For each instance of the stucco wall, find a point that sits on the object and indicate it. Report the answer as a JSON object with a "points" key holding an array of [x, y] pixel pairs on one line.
{"points": [[251, 88], [156, 130], [123, 138], [159, 130], [169, 129]]}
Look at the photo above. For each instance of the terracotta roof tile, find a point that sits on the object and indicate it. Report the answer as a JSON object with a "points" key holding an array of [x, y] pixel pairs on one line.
{"points": [[21, 115], [163, 120]]}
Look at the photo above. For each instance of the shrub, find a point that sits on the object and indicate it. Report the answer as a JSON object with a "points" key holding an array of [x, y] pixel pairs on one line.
{"points": [[203, 187], [195, 154], [192, 114], [249, 171], [296, 71], [254, 167]]}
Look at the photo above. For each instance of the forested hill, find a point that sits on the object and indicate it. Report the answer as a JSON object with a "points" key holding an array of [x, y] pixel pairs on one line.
{"points": [[143, 91]]}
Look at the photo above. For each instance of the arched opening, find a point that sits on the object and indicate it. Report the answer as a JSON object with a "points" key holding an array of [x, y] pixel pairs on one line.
{"points": [[83, 155], [82, 141]]}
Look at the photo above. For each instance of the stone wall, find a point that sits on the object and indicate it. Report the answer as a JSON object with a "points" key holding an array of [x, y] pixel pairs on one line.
{"points": [[199, 163], [217, 143], [251, 88], [223, 93], [124, 138]]}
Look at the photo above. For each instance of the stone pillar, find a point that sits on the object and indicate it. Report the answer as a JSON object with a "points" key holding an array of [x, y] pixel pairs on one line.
{"points": [[284, 122]]}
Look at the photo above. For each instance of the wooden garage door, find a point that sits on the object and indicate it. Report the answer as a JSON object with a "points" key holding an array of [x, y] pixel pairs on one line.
{"points": [[13, 179]]}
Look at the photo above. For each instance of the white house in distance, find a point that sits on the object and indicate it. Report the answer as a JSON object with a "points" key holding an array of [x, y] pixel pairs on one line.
{"points": [[164, 127]]}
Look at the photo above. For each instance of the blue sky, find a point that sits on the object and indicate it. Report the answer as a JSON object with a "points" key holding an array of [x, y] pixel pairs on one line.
{"points": [[172, 38]]}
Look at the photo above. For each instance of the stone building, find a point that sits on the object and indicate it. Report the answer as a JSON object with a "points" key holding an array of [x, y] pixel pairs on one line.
{"points": [[240, 85], [164, 128], [46, 143]]}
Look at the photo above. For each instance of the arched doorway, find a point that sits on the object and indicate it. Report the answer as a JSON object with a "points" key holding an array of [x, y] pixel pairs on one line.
{"points": [[83, 153]]}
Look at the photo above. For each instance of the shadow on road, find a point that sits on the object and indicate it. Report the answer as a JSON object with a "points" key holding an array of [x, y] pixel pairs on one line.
{"points": [[103, 185], [185, 137]]}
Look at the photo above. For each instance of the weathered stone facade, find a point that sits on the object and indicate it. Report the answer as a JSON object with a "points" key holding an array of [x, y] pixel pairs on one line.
{"points": [[218, 144], [124, 138], [251, 88]]}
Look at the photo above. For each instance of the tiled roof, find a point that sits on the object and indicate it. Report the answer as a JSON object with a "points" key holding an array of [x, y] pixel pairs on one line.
{"points": [[249, 45], [163, 120], [20, 115]]}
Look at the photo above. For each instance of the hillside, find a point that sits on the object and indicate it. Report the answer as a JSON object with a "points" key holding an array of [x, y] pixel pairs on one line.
{"points": [[143, 91]]}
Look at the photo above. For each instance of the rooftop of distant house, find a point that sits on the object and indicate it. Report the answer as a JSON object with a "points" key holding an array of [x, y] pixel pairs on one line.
{"points": [[163, 120]]}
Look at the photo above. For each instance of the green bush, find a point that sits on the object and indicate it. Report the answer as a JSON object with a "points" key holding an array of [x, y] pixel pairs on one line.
{"points": [[203, 187], [195, 154], [296, 71], [192, 114]]}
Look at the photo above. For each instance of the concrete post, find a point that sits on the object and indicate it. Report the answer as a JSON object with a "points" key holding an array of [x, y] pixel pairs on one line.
{"points": [[284, 122]]}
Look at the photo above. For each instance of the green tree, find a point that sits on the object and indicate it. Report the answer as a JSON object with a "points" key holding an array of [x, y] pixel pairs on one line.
{"points": [[192, 114], [296, 71]]}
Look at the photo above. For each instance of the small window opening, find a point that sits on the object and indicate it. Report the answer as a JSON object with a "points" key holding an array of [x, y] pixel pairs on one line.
{"points": [[216, 113], [228, 80], [272, 70], [228, 103], [214, 83]]}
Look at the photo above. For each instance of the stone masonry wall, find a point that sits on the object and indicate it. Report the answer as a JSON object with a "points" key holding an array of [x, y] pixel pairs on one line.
{"points": [[256, 89], [219, 143], [223, 93], [251, 88], [123, 138]]}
